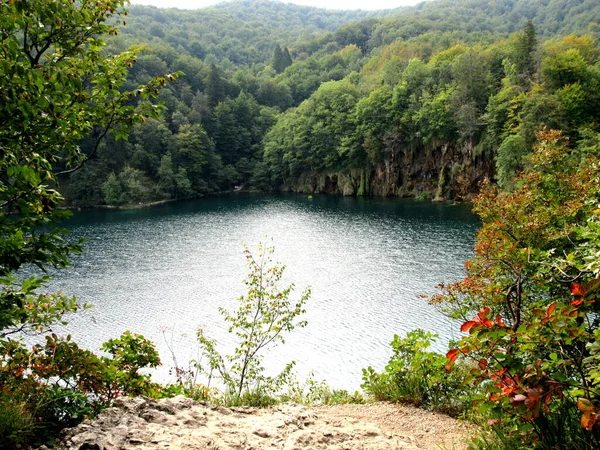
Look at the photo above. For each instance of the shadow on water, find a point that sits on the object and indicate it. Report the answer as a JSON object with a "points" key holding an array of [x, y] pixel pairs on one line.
{"points": [[417, 210]]}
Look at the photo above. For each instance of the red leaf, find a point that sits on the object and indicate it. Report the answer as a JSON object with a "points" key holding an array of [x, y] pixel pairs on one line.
{"points": [[483, 363], [467, 326], [577, 290], [487, 323], [588, 420], [483, 313], [452, 355], [577, 302], [499, 321], [551, 309]]}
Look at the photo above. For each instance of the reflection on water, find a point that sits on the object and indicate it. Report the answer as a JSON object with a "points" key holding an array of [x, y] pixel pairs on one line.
{"points": [[167, 269]]}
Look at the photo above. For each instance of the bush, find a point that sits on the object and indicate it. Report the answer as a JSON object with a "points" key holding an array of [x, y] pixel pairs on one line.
{"points": [[529, 303], [418, 376], [17, 426], [60, 384], [314, 392]]}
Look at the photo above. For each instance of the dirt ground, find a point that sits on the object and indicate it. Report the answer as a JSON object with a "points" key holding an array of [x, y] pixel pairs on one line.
{"points": [[181, 423]]}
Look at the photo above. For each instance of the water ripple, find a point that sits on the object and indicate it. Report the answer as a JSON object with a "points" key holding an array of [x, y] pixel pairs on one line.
{"points": [[171, 267]]}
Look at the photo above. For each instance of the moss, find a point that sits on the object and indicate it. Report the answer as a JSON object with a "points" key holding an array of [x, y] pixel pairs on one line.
{"points": [[361, 186], [442, 181]]}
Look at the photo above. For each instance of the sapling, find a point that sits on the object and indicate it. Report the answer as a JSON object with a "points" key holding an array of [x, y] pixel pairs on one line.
{"points": [[264, 314]]}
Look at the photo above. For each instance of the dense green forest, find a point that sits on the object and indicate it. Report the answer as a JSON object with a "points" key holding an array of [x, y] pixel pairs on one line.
{"points": [[424, 101]]}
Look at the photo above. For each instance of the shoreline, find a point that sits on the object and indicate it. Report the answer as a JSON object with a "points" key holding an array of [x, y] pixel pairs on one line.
{"points": [[145, 205]]}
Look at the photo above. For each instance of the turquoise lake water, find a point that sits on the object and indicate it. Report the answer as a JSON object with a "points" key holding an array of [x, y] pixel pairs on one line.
{"points": [[164, 271]]}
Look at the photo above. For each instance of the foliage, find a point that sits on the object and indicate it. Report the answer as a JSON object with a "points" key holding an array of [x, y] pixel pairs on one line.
{"points": [[17, 425], [510, 160], [315, 392], [439, 85], [532, 288], [130, 187], [264, 314], [281, 59], [461, 106], [419, 376], [59, 87], [59, 384]]}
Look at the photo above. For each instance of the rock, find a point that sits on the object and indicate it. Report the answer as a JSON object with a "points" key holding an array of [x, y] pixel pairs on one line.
{"points": [[90, 447], [265, 432], [180, 424]]}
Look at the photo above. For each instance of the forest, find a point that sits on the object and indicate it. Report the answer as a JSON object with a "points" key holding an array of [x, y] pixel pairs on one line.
{"points": [[452, 99], [424, 101]]}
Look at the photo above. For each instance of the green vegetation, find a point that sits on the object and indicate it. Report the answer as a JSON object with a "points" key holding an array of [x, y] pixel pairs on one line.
{"points": [[58, 87], [442, 122], [531, 288], [437, 98], [429, 100], [58, 384], [264, 314], [418, 376], [526, 367]]}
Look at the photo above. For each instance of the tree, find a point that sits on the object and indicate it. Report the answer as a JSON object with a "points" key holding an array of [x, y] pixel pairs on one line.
{"points": [[525, 52], [264, 314], [194, 151], [529, 301], [277, 62], [166, 176], [58, 86], [215, 86], [511, 159], [286, 58]]}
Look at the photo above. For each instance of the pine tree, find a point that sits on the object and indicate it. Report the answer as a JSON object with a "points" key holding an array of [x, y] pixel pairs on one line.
{"points": [[278, 62], [287, 58], [215, 87], [525, 52]]}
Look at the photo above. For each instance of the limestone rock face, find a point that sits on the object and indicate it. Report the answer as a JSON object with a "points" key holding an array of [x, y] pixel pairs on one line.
{"points": [[443, 172]]}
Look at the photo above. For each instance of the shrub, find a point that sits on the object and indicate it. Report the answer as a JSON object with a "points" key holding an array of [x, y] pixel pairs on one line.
{"points": [[529, 303], [60, 384], [418, 376], [315, 392], [17, 426]]}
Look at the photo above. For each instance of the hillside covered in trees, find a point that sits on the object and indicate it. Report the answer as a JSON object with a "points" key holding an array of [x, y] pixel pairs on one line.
{"points": [[423, 101]]}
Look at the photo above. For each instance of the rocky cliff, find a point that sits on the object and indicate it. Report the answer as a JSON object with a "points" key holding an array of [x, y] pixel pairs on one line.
{"points": [[442, 173]]}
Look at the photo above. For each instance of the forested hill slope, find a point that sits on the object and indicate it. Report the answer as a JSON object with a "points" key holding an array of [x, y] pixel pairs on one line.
{"points": [[283, 16], [551, 17], [244, 32], [427, 100], [469, 20]]}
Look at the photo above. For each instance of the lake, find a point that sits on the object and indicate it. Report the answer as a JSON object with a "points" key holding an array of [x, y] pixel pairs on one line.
{"points": [[164, 271]]}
